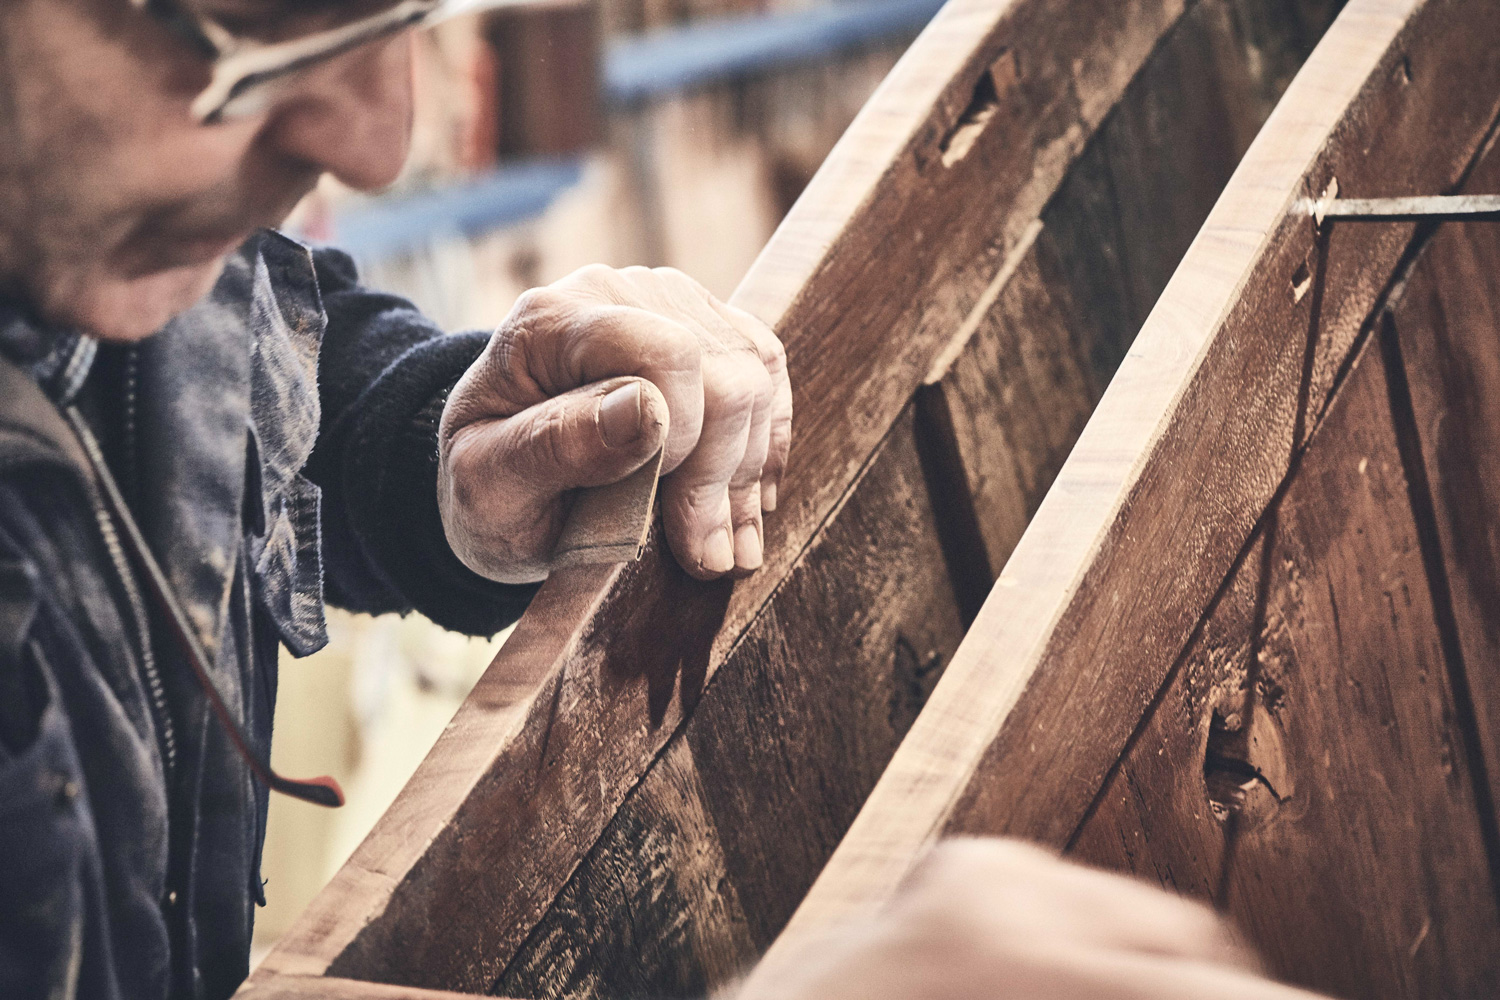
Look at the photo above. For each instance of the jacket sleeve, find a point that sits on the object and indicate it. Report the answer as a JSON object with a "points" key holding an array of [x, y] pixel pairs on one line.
{"points": [[51, 896], [384, 374]]}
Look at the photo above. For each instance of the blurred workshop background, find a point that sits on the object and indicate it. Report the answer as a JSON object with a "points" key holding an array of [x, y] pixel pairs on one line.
{"points": [[551, 134]]}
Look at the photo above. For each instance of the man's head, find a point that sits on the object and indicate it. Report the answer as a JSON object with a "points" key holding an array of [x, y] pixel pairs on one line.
{"points": [[117, 207]]}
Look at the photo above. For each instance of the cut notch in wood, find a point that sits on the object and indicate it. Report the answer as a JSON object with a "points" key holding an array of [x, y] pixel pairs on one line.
{"points": [[993, 84]]}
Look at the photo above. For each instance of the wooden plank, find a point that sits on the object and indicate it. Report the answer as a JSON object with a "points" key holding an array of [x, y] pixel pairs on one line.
{"points": [[329, 988], [1304, 769], [1024, 387], [1019, 394], [1449, 327], [707, 858], [519, 790], [1190, 442], [1016, 399]]}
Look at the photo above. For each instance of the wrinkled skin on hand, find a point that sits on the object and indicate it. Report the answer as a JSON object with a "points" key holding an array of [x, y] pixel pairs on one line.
{"points": [[582, 384], [1003, 920]]}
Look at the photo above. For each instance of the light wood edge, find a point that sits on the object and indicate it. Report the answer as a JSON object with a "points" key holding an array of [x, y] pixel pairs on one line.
{"points": [[484, 725], [1008, 640], [888, 124], [330, 988], [898, 118]]}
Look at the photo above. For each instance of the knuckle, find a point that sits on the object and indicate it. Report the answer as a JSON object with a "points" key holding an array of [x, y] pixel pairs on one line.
{"points": [[676, 347], [541, 299], [597, 275], [744, 489], [679, 279], [592, 281], [765, 386], [636, 274], [731, 393], [534, 303], [695, 505], [507, 349]]}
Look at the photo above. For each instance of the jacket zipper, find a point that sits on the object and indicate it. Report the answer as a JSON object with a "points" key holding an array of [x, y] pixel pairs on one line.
{"points": [[166, 732]]}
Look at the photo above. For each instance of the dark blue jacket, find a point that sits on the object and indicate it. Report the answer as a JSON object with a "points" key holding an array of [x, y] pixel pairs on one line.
{"points": [[278, 446]]}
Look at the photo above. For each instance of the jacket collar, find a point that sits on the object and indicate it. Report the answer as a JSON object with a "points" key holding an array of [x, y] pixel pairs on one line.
{"points": [[204, 395], [58, 360], [195, 414]]}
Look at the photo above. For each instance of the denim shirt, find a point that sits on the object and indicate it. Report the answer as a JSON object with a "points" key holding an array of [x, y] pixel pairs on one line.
{"points": [[277, 445]]}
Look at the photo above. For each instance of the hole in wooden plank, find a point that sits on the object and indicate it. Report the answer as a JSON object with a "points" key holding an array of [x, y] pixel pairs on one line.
{"points": [[983, 106], [1301, 282], [1243, 763], [1402, 75], [914, 675], [1228, 777]]}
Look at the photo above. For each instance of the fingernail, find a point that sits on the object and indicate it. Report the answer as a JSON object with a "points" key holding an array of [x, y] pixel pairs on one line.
{"points": [[620, 415], [747, 547], [768, 496], [718, 552]]}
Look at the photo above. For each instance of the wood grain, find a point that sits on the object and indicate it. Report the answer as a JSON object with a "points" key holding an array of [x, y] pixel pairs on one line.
{"points": [[1192, 439], [708, 856], [329, 988], [1031, 372], [530, 773], [1303, 769], [1036, 364], [1448, 321]]}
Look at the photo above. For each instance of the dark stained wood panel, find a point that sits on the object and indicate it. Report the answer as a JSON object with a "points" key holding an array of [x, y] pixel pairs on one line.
{"points": [[705, 861], [1305, 769], [1016, 400], [886, 253], [1021, 391], [1135, 606], [1237, 362], [1448, 323], [1024, 387]]}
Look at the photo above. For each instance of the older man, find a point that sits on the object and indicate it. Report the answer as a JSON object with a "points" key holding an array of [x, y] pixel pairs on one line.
{"points": [[282, 435], [276, 436]]}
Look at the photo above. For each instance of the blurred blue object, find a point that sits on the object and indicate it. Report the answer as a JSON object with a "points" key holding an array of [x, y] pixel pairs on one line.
{"points": [[514, 193], [675, 59]]}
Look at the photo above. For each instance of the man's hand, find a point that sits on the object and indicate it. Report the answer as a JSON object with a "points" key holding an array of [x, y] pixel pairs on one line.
{"points": [[584, 381], [996, 920]]}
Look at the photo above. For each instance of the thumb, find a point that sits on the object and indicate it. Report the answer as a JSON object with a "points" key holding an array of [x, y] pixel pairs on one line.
{"points": [[590, 436]]}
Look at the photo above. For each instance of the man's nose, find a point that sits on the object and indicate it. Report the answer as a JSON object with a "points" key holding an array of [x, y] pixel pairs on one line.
{"points": [[352, 118]]}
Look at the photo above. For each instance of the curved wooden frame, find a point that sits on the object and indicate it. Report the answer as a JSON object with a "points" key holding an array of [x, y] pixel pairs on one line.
{"points": [[959, 152], [1267, 335]]}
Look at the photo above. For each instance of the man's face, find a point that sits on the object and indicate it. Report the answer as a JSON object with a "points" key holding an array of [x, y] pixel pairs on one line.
{"points": [[116, 208]]}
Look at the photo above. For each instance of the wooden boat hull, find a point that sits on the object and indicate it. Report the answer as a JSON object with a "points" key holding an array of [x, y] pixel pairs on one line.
{"points": [[641, 789], [1246, 645]]}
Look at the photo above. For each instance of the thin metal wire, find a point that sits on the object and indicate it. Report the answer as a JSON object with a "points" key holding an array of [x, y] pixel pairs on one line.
{"points": [[1457, 208]]}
